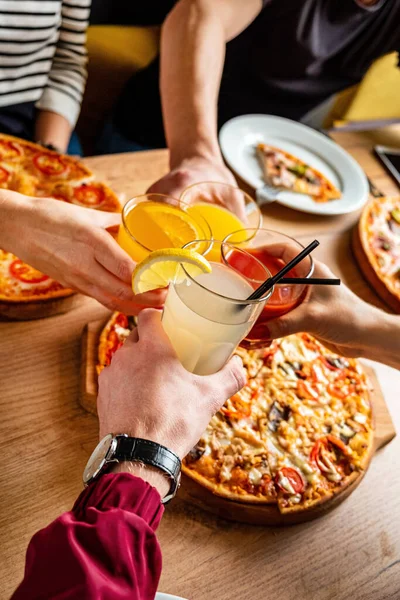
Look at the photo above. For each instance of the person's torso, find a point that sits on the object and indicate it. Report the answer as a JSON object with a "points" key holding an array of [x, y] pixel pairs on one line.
{"points": [[316, 46]]}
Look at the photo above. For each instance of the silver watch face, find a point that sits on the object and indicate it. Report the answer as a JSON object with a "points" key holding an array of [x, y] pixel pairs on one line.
{"points": [[96, 462]]}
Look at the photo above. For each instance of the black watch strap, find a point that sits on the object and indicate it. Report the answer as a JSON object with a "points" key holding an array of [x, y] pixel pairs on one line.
{"points": [[149, 453]]}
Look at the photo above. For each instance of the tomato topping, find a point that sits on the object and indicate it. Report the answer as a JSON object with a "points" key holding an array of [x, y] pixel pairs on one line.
{"points": [[309, 342], [239, 408], [49, 164], [294, 478], [306, 391], [4, 175], [25, 273], [89, 195], [114, 343], [328, 443], [328, 365], [9, 150], [122, 321]]}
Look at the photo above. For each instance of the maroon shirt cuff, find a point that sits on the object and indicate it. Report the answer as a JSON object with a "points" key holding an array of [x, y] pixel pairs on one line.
{"points": [[105, 548], [124, 491]]}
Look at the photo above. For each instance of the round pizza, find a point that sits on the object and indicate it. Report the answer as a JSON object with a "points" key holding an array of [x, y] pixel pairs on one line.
{"points": [[29, 169], [299, 433], [376, 245]]}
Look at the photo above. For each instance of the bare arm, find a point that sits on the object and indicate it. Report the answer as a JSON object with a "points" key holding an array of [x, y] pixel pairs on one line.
{"points": [[343, 322], [52, 128], [192, 57]]}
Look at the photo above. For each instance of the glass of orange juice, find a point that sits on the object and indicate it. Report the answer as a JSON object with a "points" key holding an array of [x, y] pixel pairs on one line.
{"points": [[156, 221], [225, 207]]}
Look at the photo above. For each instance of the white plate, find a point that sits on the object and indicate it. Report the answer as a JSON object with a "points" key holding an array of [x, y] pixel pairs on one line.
{"points": [[239, 137], [161, 596]]}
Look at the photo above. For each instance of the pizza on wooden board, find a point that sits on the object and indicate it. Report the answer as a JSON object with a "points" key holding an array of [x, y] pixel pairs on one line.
{"points": [[29, 169], [299, 433], [283, 170], [376, 244]]}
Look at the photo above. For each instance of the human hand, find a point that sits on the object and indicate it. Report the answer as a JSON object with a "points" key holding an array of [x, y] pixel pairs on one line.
{"points": [[334, 315], [71, 245], [147, 393], [196, 170]]}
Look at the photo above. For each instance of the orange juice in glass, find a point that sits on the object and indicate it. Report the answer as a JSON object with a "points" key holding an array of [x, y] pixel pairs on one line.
{"points": [[216, 202], [155, 221]]}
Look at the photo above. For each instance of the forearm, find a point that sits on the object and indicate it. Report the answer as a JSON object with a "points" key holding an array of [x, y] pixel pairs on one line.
{"points": [[52, 128], [13, 208], [105, 547], [192, 58], [380, 336]]}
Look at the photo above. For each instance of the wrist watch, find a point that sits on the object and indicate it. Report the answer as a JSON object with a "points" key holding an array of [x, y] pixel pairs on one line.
{"points": [[120, 448]]}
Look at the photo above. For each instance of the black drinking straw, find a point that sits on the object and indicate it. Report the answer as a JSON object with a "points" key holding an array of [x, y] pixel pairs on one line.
{"points": [[310, 281], [269, 283]]}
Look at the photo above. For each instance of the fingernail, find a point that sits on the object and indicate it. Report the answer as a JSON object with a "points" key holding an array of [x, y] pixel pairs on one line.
{"points": [[238, 359]]}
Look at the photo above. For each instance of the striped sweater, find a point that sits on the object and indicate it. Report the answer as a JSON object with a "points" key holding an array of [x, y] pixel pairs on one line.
{"points": [[42, 54]]}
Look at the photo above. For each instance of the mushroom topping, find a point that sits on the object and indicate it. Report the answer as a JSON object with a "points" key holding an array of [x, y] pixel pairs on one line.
{"points": [[277, 414], [195, 453]]}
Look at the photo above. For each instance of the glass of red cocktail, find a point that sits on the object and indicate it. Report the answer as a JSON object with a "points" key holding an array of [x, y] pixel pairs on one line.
{"points": [[274, 250]]}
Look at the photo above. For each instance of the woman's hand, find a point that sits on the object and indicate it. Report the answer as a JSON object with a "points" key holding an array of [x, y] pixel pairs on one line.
{"points": [[71, 245], [343, 323]]}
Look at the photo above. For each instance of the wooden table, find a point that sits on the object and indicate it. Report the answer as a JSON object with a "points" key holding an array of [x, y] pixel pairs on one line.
{"points": [[46, 438]]}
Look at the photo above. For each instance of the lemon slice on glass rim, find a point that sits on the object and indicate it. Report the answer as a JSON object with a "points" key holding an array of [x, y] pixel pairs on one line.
{"points": [[161, 267]]}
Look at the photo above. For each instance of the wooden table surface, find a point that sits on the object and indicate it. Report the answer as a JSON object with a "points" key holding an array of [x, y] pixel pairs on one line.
{"points": [[46, 439]]}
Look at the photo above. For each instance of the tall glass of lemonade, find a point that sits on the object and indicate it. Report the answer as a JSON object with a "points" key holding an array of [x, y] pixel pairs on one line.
{"points": [[207, 316], [155, 221]]}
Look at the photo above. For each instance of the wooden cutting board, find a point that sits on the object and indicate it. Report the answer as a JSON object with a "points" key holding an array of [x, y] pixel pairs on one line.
{"points": [[196, 494], [39, 309]]}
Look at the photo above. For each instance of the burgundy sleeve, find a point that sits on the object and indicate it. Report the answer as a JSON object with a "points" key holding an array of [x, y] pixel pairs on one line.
{"points": [[105, 548]]}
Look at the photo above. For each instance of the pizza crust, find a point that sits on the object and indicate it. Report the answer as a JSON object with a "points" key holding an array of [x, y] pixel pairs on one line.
{"points": [[367, 261]]}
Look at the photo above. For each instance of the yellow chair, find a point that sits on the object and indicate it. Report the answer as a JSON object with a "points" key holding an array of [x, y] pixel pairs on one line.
{"points": [[375, 100], [115, 53]]}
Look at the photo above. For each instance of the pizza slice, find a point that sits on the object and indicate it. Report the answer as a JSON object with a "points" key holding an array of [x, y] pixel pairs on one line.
{"points": [[48, 166], [20, 282], [112, 337], [283, 170], [93, 194], [15, 150]]}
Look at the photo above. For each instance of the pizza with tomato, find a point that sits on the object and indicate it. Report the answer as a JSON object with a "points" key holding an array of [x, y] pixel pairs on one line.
{"points": [[376, 245], [91, 194], [283, 170], [29, 169], [299, 433], [112, 337], [35, 165], [21, 283]]}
